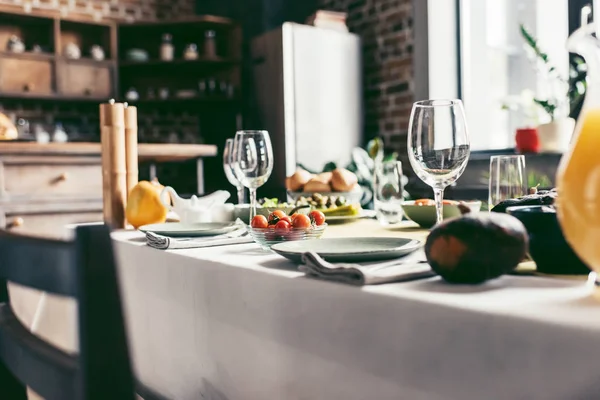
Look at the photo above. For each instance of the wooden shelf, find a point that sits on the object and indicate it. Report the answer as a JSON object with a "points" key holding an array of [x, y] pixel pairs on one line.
{"points": [[146, 151], [88, 61], [206, 19], [48, 97], [178, 62], [28, 55], [172, 100]]}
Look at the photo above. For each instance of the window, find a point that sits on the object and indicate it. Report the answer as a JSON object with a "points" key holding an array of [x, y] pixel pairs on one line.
{"points": [[496, 69], [475, 51]]}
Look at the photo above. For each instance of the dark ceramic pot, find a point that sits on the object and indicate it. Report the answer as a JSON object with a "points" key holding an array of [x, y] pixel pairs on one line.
{"points": [[547, 245]]}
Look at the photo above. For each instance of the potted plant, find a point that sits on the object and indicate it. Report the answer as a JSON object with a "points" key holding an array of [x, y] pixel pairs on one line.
{"points": [[526, 138], [562, 99]]}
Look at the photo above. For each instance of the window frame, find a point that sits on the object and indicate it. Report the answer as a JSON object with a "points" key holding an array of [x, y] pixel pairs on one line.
{"points": [[447, 13]]}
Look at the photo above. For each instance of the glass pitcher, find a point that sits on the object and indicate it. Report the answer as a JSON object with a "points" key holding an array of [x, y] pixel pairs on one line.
{"points": [[578, 175]]}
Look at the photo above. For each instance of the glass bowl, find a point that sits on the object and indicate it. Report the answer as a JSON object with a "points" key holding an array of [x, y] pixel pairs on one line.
{"points": [[267, 237]]}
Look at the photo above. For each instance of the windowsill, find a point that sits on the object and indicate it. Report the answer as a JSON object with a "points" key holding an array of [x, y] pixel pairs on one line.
{"points": [[477, 155], [472, 185]]}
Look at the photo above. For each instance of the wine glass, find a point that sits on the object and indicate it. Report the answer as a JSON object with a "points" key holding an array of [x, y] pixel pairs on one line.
{"points": [[253, 161], [507, 178], [228, 166], [438, 145]]}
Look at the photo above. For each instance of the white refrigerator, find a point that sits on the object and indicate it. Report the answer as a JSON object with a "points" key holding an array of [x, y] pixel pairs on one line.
{"points": [[308, 88]]}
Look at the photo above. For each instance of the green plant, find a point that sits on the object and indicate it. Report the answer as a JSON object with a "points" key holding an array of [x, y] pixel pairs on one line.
{"points": [[534, 178], [567, 91]]}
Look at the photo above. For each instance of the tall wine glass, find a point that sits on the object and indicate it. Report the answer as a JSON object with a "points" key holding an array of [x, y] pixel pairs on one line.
{"points": [[253, 161], [438, 145], [228, 166]]}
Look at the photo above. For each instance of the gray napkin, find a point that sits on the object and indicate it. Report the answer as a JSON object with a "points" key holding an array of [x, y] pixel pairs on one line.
{"points": [[410, 267], [238, 236]]}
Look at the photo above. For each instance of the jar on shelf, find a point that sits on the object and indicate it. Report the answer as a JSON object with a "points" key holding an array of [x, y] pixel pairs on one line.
{"points": [[212, 86], [210, 45], [202, 88], [167, 49], [190, 52]]}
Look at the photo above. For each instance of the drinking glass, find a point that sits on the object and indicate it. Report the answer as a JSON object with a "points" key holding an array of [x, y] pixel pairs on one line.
{"points": [[507, 178], [228, 166], [388, 198], [253, 161], [438, 145]]}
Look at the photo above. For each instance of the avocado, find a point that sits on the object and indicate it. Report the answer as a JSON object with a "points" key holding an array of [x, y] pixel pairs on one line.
{"points": [[474, 248]]}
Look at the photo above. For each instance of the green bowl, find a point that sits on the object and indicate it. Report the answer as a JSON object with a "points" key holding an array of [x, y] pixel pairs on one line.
{"points": [[425, 215]]}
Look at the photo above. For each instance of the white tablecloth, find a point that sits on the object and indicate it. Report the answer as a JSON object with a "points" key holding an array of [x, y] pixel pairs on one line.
{"points": [[235, 322]]}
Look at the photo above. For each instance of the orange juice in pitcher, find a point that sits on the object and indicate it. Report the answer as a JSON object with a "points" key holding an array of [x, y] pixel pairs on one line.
{"points": [[578, 176]]}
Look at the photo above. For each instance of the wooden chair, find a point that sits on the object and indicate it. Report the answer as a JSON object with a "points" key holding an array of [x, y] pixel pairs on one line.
{"points": [[85, 270]]}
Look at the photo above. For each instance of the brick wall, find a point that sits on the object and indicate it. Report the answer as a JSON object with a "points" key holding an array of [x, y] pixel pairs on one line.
{"points": [[118, 10], [385, 27]]}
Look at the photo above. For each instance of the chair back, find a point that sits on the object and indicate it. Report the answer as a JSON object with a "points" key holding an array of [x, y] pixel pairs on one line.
{"points": [[85, 270]]}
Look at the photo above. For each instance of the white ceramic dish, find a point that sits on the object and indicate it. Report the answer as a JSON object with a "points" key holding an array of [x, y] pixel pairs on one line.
{"points": [[178, 229], [349, 249], [357, 197]]}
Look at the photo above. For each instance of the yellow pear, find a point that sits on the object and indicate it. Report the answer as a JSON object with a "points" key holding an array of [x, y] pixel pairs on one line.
{"points": [[144, 206]]}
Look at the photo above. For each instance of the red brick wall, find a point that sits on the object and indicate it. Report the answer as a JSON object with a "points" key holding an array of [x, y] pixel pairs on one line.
{"points": [[385, 27], [118, 10]]}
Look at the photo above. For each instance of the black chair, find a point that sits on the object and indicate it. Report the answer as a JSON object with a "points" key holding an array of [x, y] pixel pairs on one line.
{"points": [[85, 270]]}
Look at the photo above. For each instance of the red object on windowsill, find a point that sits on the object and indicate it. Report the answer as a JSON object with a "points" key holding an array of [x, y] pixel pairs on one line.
{"points": [[528, 140]]}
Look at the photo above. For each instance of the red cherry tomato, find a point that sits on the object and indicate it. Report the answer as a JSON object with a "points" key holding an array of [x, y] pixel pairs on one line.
{"points": [[301, 221], [259, 221], [317, 217], [276, 216], [286, 219], [282, 225]]}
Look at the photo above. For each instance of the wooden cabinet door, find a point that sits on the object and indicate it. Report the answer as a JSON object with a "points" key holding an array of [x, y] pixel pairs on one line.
{"points": [[84, 80], [25, 76]]}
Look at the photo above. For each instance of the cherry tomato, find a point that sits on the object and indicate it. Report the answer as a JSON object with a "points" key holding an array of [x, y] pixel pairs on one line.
{"points": [[286, 219], [301, 221], [259, 221], [276, 216], [282, 225], [317, 217]]}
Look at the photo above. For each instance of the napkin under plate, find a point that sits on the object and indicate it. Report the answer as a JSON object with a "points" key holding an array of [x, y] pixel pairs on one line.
{"points": [[160, 242], [410, 267]]}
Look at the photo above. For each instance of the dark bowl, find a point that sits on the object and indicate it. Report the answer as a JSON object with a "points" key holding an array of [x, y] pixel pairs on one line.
{"points": [[547, 245]]}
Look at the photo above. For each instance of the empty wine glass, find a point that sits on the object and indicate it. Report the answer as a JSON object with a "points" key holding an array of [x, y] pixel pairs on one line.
{"points": [[228, 166], [507, 179], [253, 161], [438, 145]]}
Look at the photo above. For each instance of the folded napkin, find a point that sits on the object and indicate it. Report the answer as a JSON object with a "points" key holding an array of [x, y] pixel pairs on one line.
{"points": [[410, 267], [238, 236]]}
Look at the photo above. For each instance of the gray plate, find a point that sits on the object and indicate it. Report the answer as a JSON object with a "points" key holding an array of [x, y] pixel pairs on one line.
{"points": [[349, 249], [178, 229]]}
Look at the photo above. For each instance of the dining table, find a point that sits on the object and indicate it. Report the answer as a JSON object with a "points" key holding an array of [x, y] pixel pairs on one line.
{"points": [[238, 322]]}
